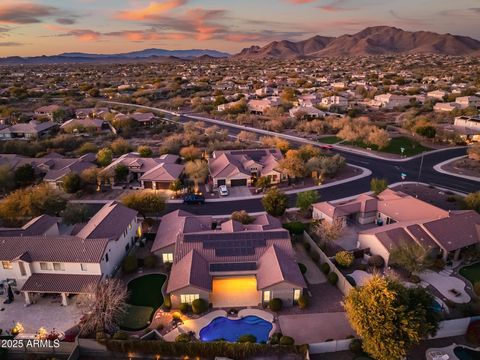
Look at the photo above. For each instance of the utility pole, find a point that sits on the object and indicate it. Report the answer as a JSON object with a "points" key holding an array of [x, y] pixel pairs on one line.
{"points": [[420, 170]]}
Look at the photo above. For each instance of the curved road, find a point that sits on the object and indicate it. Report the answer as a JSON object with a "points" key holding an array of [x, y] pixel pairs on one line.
{"points": [[381, 168]]}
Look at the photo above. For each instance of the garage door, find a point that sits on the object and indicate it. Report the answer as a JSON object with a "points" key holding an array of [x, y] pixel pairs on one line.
{"points": [[235, 291], [221, 182], [147, 184], [239, 182]]}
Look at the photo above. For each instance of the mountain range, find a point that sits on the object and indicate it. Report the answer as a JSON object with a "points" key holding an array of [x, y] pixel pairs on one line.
{"points": [[379, 40]]}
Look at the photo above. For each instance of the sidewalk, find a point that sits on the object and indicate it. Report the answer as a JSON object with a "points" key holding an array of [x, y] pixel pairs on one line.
{"points": [[439, 168]]}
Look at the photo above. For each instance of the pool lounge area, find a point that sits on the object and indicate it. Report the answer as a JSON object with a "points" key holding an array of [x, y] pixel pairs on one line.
{"points": [[453, 352]]}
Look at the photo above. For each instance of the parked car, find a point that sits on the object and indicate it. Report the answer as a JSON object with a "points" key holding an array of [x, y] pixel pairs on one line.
{"points": [[190, 199], [326, 147], [222, 189]]}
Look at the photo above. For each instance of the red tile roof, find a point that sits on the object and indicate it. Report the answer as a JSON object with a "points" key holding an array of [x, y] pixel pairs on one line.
{"points": [[58, 283]]}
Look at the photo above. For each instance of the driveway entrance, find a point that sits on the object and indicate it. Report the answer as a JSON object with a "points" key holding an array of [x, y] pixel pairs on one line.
{"points": [[235, 291]]}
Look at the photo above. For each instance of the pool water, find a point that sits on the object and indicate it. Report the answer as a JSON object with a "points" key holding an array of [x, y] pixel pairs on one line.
{"points": [[464, 353], [230, 330], [437, 307]]}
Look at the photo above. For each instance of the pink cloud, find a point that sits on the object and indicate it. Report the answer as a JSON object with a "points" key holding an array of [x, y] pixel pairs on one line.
{"points": [[153, 10]]}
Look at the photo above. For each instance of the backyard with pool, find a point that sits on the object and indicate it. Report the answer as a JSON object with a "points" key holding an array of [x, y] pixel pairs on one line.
{"points": [[471, 273], [145, 297], [231, 329]]}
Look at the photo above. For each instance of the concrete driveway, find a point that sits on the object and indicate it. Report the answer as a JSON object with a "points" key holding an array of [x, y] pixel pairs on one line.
{"points": [[238, 191], [316, 327]]}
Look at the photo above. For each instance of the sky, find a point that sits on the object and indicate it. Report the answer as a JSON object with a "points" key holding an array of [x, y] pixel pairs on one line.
{"points": [[46, 27]]}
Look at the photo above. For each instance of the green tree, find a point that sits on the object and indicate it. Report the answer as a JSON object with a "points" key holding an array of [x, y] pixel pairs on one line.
{"points": [[176, 185], [378, 185], [146, 203], [120, 146], [411, 256], [197, 171], [86, 148], [428, 131], [104, 157], [293, 165], [71, 183], [145, 151], [263, 182], [121, 173], [472, 201], [7, 181], [242, 217], [24, 175], [190, 153], [305, 200], [275, 202], [75, 214], [389, 317]]}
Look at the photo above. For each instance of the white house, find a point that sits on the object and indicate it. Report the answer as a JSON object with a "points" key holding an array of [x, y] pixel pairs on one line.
{"points": [[468, 101], [391, 101]]}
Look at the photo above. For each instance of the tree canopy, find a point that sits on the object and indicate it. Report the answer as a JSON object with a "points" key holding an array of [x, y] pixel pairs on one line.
{"points": [[275, 202], [146, 203]]}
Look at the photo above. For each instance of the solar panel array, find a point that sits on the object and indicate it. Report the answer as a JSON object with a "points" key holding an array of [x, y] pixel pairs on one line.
{"points": [[246, 266]]}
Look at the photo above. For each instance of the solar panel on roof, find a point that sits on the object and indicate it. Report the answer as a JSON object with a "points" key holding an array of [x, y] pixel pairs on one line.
{"points": [[246, 266]]}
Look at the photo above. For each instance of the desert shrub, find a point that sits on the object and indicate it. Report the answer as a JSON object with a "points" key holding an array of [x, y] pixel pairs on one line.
{"points": [[247, 338], [184, 308], [439, 264], [344, 259], [167, 302], [120, 335], [275, 338], [295, 227], [303, 268], [199, 306], [183, 338], [150, 261], [130, 264], [355, 346], [325, 268], [286, 340], [275, 304], [473, 333], [332, 278], [302, 302], [315, 256], [376, 261], [242, 217], [476, 288]]}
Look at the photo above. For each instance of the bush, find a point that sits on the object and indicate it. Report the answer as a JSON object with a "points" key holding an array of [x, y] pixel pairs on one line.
{"points": [[307, 246], [100, 336], [376, 261], [120, 335], [415, 279], [473, 333], [332, 278], [150, 261], [476, 288], [295, 227], [199, 306], [286, 340], [167, 302], [242, 217], [184, 308], [344, 259], [303, 268], [439, 264], [247, 338], [275, 338], [130, 264], [325, 268], [275, 304], [315, 256], [183, 338], [355, 346], [302, 302]]}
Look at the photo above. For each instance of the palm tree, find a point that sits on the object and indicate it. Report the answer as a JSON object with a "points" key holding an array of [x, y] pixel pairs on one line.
{"points": [[197, 171]]}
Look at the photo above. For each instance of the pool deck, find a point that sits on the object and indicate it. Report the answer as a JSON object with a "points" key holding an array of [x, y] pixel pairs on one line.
{"points": [[195, 325], [444, 284], [447, 352]]}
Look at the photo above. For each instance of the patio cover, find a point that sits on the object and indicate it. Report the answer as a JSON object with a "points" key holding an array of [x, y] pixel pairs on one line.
{"points": [[59, 283]]}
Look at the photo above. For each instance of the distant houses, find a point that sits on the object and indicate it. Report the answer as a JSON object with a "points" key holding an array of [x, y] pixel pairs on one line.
{"points": [[28, 131]]}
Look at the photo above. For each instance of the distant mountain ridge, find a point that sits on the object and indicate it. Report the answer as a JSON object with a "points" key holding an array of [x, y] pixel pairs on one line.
{"points": [[158, 55], [378, 40]]}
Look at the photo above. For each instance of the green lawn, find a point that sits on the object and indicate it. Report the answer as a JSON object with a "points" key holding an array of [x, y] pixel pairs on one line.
{"points": [[329, 140], [145, 297], [411, 147], [471, 272]]}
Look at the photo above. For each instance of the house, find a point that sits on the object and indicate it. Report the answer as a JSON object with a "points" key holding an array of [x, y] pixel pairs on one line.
{"points": [[265, 91], [402, 218], [26, 131], [240, 167], [437, 94], [47, 111], [149, 173], [260, 106], [90, 113], [335, 102], [446, 107], [468, 101], [84, 124], [38, 259], [468, 127], [391, 101], [228, 264], [144, 119], [308, 112], [309, 100]]}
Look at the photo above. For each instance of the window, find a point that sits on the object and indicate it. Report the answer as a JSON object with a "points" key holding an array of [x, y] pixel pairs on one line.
{"points": [[44, 266], [58, 267], [84, 267], [106, 257], [23, 272], [167, 258], [188, 298], [7, 265], [296, 294], [267, 296]]}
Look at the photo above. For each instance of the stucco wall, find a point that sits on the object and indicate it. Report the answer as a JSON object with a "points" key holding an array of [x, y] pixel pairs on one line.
{"points": [[176, 299]]}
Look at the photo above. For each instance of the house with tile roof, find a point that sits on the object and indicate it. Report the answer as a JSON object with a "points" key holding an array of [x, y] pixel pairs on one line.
{"points": [[228, 263], [400, 219], [241, 167], [39, 259], [28, 131]]}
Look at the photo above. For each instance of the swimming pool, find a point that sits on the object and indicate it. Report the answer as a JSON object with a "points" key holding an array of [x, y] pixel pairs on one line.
{"points": [[230, 330], [464, 353]]}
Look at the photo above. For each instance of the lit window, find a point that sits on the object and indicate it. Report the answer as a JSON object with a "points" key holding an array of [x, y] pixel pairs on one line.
{"points": [[167, 258], [44, 266], [84, 267], [267, 295], [58, 267], [7, 265], [188, 298], [296, 294]]}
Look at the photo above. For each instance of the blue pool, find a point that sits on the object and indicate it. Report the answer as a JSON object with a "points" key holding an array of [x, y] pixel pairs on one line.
{"points": [[231, 330], [464, 353]]}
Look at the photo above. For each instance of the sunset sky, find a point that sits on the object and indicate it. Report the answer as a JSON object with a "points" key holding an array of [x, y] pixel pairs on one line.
{"points": [[48, 27]]}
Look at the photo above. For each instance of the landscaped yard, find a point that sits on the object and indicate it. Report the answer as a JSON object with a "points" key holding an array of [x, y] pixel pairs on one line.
{"points": [[411, 147], [329, 140], [471, 272], [144, 299]]}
